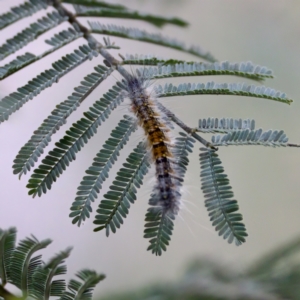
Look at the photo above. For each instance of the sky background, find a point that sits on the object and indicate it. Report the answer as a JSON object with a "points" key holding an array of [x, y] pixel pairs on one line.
{"points": [[266, 181]]}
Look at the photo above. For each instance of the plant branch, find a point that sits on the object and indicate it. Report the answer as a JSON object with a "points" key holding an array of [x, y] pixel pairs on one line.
{"points": [[186, 128], [293, 145]]}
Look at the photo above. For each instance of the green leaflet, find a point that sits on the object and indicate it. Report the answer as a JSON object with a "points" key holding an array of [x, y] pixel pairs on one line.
{"points": [[76, 137], [22, 265], [82, 289], [34, 277], [271, 138], [114, 207], [42, 285], [21, 11], [141, 35], [96, 174], [101, 9], [224, 125], [181, 69], [212, 88], [30, 152], [30, 33], [218, 199], [61, 67], [7, 245]]}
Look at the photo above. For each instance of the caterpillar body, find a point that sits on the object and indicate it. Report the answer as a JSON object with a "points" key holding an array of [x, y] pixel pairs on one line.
{"points": [[166, 195]]}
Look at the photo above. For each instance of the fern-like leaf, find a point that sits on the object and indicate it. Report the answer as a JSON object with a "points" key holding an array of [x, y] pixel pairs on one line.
{"points": [[18, 63], [21, 11], [64, 37], [141, 35], [212, 88], [96, 3], [82, 290], [28, 34], [159, 227], [123, 13], [251, 137], [91, 184], [30, 152], [15, 100], [59, 40], [213, 125], [76, 137], [244, 69], [43, 285], [22, 266], [114, 207], [218, 193], [7, 245]]}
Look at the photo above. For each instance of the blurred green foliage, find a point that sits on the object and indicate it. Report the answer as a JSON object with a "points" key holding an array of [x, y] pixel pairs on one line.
{"points": [[276, 276]]}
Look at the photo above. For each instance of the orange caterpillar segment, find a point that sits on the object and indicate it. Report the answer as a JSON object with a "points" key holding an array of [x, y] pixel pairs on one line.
{"points": [[156, 136], [160, 150]]}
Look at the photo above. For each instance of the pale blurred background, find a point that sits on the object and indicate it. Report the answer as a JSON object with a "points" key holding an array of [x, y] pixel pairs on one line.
{"points": [[266, 181]]}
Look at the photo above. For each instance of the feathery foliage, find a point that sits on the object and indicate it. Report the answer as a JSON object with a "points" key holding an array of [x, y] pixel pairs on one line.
{"points": [[30, 33], [116, 202], [30, 152], [21, 11], [34, 277], [224, 125], [91, 184], [76, 137], [101, 9], [114, 207], [218, 199], [204, 278], [178, 69], [210, 88], [144, 36]]}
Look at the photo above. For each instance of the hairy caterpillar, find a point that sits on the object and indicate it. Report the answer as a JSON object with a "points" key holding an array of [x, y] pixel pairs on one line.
{"points": [[166, 195]]}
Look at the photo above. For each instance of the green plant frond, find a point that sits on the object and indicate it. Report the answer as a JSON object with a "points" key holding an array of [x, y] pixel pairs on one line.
{"points": [[30, 33], [159, 227], [218, 194], [21, 11], [141, 35], [7, 246], [59, 40], [43, 286], [15, 100], [22, 265], [91, 184], [82, 290], [96, 3], [268, 263], [224, 125], [114, 207], [148, 60], [64, 37], [251, 137], [159, 21], [212, 88], [177, 68], [30, 152], [182, 146], [17, 64], [247, 70], [76, 137]]}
